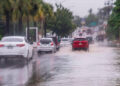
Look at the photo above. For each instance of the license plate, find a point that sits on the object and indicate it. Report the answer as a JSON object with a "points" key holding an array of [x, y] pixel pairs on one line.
{"points": [[10, 47], [80, 43], [44, 45]]}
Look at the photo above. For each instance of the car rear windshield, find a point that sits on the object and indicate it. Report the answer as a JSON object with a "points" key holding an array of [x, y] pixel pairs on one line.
{"points": [[65, 40], [45, 41], [12, 40], [89, 38], [80, 39]]}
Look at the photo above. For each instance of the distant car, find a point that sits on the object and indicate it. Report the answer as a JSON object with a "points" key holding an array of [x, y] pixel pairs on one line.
{"points": [[15, 46], [65, 42], [100, 38], [80, 43], [71, 40], [46, 45], [90, 39]]}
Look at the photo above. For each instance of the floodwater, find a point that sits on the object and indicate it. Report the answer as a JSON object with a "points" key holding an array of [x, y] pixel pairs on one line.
{"points": [[98, 67]]}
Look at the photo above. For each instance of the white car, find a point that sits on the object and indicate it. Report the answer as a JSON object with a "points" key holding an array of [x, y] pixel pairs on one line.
{"points": [[65, 42], [15, 46], [46, 45]]}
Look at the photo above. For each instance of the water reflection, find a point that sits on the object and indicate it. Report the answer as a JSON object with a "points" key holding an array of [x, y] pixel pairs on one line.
{"points": [[12, 63], [99, 67], [15, 72], [43, 69]]}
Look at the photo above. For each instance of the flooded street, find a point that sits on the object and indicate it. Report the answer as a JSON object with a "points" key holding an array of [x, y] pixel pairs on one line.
{"points": [[60, 43], [98, 67]]}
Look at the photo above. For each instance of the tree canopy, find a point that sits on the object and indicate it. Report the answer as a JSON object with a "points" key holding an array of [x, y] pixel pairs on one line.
{"points": [[62, 22], [19, 14], [114, 22]]}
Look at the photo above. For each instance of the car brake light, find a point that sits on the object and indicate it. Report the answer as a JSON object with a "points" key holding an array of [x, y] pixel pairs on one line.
{"points": [[52, 44], [1, 45], [38, 43], [20, 45]]}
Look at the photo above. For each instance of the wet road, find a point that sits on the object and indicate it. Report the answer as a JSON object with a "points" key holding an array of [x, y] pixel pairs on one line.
{"points": [[98, 67]]}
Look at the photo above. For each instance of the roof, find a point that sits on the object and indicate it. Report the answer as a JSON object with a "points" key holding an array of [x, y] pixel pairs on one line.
{"points": [[14, 37], [80, 37], [47, 38]]}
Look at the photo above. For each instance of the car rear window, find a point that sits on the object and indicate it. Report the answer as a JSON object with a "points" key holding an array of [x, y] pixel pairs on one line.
{"points": [[12, 40], [89, 38], [80, 39], [65, 40], [45, 41]]}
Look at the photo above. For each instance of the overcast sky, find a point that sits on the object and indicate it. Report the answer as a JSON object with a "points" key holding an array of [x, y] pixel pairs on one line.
{"points": [[80, 7]]}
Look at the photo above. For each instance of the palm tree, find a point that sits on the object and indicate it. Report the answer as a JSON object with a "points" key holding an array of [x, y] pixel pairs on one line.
{"points": [[48, 11], [19, 11], [21, 8], [27, 9], [35, 12], [39, 16], [6, 9]]}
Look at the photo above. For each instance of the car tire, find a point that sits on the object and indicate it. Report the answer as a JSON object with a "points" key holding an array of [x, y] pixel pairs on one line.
{"points": [[73, 49], [32, 55], [58, 49], [27, 58], [39, 52], [53, 51], [87, 49]]}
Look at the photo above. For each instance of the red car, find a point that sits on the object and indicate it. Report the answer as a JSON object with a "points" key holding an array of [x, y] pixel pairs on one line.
{"points": [[80, 43]]}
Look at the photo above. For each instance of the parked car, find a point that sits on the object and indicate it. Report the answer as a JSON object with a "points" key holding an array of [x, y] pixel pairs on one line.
{"points": [[80, 43], [65, 42], [46, 45], [15, 46]]}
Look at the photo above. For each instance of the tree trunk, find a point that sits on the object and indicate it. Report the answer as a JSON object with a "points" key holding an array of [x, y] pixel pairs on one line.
{"points": [[41, 28], [14, 29], [28, 29], [20, 26], [45, 31], [35, 24], [7, 28]]}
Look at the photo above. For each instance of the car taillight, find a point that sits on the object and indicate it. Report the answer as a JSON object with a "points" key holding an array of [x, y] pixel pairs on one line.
{"points": [[38, 43], [1, 45], [52, 44], [20, 45]]}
